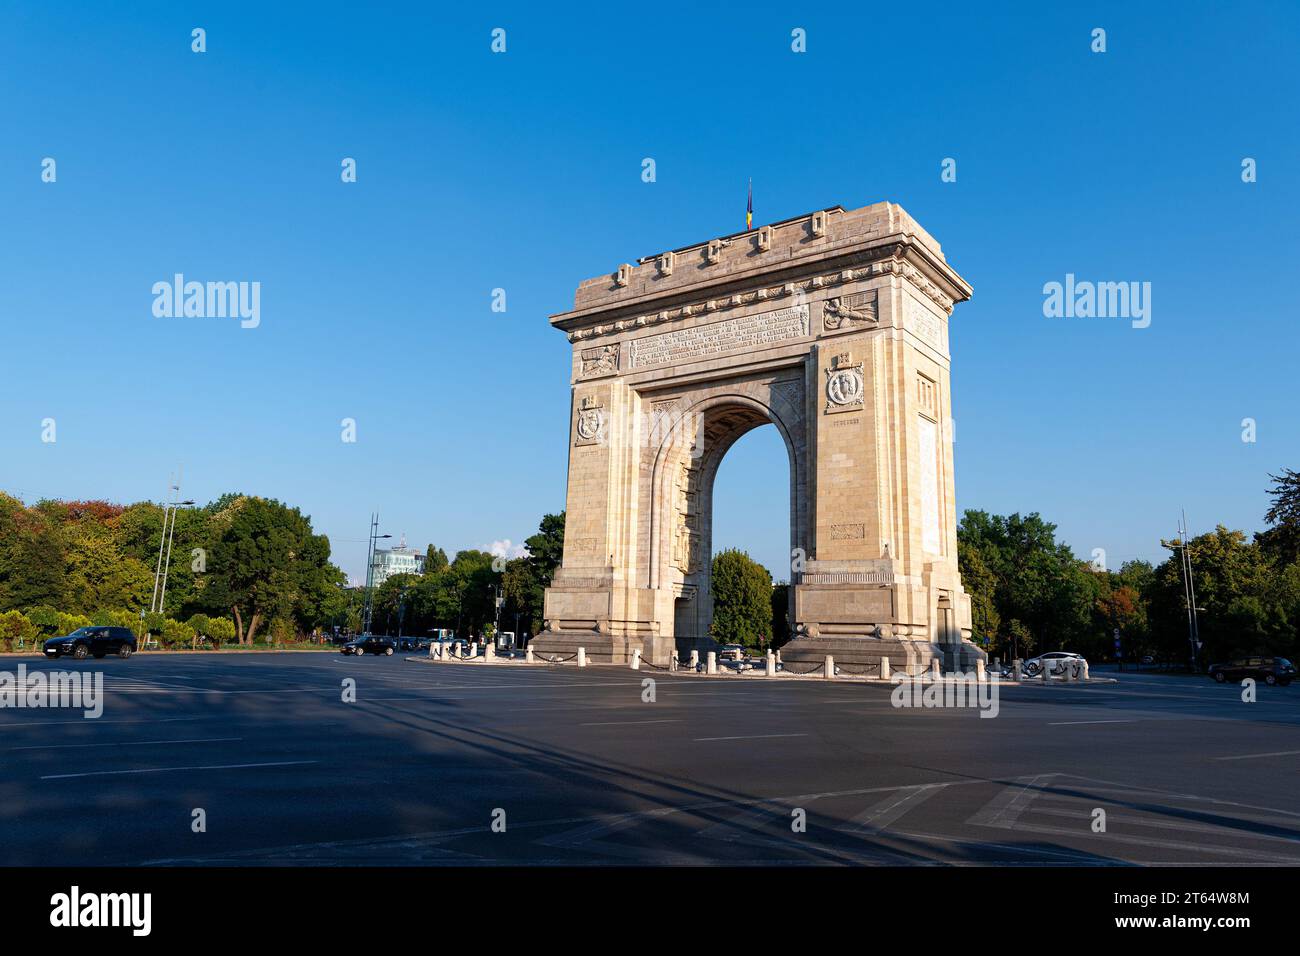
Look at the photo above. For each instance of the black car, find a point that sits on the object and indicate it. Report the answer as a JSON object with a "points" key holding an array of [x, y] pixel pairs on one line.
{"points": [[1271, 670], [368, 645], [92, 642]]}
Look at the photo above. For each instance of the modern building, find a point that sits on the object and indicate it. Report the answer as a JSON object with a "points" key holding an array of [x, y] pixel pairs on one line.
{"points": [[398, 560]]}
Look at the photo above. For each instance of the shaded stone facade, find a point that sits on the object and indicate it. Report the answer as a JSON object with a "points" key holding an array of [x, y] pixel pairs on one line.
{"points": [[834, 328]]}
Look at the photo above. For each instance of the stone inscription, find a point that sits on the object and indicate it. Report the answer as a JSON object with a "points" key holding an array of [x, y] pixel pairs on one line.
{"points": [[747, 332]]}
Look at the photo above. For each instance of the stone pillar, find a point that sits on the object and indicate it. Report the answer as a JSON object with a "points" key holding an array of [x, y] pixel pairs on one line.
{"points": [[770, 666], [673, 662], [980, 674], [1085, 670], [936, 671], [582, 657], [829, 667], [636, 658], [885, 673], [711, 663], [528, 654], [695, 660], [489, 652], [1046, 672], [1016, 664]]}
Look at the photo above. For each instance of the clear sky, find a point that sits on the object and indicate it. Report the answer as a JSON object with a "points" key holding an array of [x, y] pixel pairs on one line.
{"points": [[522, 171]]}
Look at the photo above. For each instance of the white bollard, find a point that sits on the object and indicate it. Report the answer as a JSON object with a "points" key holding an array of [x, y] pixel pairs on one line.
{"points": [[936, 669], [636, 659], [884, 668], [1046, 672], [770, 670], [489, 652], [528, 654], [1085, 671], [829, 669], [673, 662], [582, 657], [1015, 669], [980, 674], [711, 663], [695, 660]]}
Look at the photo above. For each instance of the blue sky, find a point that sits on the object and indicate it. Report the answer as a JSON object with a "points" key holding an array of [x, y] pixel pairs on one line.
{"points": [[522, 171]]}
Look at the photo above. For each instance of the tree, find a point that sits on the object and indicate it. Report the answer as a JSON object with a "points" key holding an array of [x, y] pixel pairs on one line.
{"points": [[267, 563], [742, 600], [1282, 539]]}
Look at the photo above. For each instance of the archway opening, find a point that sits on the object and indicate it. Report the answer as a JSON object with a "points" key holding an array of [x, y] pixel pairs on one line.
{"points": [[751, 514]]}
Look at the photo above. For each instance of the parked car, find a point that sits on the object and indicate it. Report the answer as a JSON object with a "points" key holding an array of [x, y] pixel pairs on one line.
{"points": [[369, 645], [1271, 670], [731, 652], [410, 643], [92, 642], [1052, 660]]}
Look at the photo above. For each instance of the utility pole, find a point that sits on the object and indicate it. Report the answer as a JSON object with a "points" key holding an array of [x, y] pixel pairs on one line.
{"points": [[370, 571], [1189, 591]]}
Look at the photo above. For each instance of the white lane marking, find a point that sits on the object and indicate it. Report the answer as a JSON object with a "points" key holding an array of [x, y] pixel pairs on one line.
{"points": [[215, 766], [132, 743], [624, 723], [1076, 723], [80, 722], [749, 737], [1275, 753], [877, 818]]}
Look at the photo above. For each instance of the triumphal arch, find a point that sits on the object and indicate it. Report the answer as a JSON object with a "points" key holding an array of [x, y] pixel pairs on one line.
{"points": [[833, 327]]}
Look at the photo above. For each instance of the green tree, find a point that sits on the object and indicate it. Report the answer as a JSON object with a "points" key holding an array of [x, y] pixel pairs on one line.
{"points": [[267, 563], [742, 600]]}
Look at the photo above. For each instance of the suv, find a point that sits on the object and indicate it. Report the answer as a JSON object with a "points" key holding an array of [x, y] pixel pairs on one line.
{"points": [[93, 642], [1271, 670], [368, 645]]}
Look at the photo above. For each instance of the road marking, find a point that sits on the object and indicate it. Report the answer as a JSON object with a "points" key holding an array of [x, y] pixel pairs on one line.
{"points": [[133, 743], [1075, 723], [1003, 810], [1276, 753], [749, 737], [623, 723], [215, 766], [877, 818]]}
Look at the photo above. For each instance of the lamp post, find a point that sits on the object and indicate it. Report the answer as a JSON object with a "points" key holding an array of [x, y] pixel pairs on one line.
{"points": [[370, 572], [162, 594], [1189, 590]]}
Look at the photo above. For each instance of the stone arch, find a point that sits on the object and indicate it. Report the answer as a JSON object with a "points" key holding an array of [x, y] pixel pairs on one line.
{"points": [[685, 462], [834, 327]]}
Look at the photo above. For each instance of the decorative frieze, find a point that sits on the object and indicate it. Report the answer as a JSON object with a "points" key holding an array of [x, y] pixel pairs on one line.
{"points": [[602, 360], [743, 332], [842, 313]]}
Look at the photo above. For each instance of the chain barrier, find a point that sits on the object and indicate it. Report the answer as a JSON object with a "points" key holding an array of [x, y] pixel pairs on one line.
{"points": [[813, 670], [865, 672], [555, 660], [658, 667]]}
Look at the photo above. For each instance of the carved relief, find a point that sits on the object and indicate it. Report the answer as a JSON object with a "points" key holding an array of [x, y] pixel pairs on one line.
{"points": [[686, 536], [602, 360], [850, 311], [844, 384], [847, 532], [590, 424]]}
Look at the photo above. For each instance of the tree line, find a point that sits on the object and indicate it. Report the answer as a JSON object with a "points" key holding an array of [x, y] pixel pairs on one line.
{"points": [[1031, 594]]}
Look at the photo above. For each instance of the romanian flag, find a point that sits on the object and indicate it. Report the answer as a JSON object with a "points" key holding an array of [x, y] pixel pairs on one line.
{"points": [[749, 208]]}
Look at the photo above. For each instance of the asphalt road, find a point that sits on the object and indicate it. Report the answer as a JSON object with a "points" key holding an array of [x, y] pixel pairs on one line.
{"points": [[713, 771]]}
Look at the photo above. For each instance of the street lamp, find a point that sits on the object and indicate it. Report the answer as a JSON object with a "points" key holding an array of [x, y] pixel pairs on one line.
{"points": [[169, 531], [370, 571], [1189, 589]]}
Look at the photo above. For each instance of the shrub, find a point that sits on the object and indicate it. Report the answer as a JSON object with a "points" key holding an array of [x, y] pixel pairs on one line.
{"points": [[45, 619], [15, 629], [176, 634]]}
